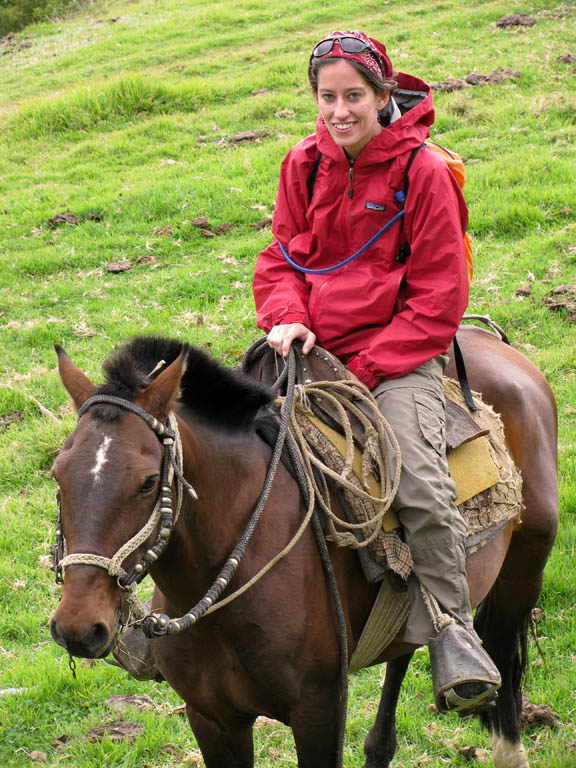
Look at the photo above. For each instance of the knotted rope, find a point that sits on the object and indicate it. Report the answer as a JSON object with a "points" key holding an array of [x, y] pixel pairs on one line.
{"points": [[440, 620]]}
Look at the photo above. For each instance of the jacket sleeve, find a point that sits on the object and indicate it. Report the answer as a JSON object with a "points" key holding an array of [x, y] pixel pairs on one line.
{"points": [[434, 293], [280, 291]]}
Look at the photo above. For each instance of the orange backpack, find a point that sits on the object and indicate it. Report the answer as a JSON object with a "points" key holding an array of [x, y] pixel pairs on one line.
{"points": [[456, 165]]}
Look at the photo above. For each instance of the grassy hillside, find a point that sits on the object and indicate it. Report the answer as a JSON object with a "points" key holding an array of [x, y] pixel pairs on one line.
{"points": [[118, 129]]}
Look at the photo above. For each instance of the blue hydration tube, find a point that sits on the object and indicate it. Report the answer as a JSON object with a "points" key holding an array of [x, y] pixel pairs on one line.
{"points": [[399, 196]]}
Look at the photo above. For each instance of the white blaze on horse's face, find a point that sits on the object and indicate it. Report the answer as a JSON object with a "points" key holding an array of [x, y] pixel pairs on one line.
{"points": [[101, 457]]}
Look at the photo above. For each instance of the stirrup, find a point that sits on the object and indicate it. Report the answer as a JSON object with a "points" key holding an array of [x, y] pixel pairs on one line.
{"points": [[458, 659], [475, 702]]}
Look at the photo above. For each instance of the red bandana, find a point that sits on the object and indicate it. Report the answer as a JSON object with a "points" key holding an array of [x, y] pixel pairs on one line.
{"points": [[380, 65]]}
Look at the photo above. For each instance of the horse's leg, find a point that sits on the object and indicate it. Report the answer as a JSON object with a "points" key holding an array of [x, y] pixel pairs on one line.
{"points": [[380, 744], [315, 725], [502, 622], [511, 384], [505, 641], [224, 742]]}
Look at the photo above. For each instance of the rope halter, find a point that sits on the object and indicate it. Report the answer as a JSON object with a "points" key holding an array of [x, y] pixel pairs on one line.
{"points": [[162, 513]]}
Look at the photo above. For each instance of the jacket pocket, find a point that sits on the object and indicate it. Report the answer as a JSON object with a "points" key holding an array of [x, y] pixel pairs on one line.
{"points": [[431, 415]]}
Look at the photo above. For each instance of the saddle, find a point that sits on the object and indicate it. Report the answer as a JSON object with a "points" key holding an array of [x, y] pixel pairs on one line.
{"points": [[489, 486], [321, 365]]}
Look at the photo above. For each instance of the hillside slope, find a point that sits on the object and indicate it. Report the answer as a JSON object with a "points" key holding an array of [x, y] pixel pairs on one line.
{"points": [[140, 144]]}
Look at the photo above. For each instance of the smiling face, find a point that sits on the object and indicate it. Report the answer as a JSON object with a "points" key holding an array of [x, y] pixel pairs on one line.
{"points": [[349, 105]]}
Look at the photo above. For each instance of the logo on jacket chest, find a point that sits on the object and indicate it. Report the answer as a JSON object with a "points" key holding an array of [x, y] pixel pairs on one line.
{"points": [[375, 206]]}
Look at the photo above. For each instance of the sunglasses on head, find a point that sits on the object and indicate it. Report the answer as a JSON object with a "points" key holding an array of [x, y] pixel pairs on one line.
{"points": [[347, 44]]}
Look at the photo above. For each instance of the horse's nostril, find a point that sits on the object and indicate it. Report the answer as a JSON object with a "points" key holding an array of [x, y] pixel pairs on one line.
{"points": [[91, 644], [97, 638], [55, 632]]}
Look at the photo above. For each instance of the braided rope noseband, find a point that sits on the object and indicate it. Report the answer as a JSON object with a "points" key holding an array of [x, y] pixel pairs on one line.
{"points": [[162, 513]]}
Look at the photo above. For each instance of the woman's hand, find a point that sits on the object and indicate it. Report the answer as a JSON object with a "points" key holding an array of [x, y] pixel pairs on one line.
{"points": [[281, 337]]}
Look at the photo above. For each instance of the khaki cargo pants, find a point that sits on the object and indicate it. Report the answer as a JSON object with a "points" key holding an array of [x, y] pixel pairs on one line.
{"points": [[434, 530]]}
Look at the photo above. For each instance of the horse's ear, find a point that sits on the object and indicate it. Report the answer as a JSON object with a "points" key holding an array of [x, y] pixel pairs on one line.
{"points": [[159, 397], [77, 384]]}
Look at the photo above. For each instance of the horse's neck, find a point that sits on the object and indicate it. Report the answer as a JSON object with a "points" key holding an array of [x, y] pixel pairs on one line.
{"points": [[227, 472]]}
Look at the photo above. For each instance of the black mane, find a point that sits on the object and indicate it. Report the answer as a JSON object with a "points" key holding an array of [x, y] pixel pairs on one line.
{"points": [[221, 396]]}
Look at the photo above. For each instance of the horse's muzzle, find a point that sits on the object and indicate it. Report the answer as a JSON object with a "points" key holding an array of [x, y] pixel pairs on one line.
{"points": [[91, 642]]}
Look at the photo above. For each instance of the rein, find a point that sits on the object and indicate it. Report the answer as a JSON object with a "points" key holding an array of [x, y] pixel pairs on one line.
{"points": [[157, 625]]}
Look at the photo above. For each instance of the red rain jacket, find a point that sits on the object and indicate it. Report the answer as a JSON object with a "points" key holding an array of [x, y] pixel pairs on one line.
{"points": [[381, 317]]}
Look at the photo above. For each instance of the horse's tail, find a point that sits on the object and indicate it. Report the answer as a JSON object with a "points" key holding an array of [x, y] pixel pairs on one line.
{"points": [[520, 663]]}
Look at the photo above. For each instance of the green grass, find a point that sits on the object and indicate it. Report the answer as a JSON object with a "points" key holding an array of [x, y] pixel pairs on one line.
{"points": [[126, 124]]}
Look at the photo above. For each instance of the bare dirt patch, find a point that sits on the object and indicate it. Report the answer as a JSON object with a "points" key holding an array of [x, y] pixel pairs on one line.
{"points": [[263, 223], [206, 228], [562, 299], [120, 730], [64, 218], [537, 716], [118, 266], [13, 44], [243, 137], [118, 704], [474, 79], [516, 20], [5, 421]]}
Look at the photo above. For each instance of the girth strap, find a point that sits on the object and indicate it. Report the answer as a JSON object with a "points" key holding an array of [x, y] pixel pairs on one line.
{"points": [[463, 376]]}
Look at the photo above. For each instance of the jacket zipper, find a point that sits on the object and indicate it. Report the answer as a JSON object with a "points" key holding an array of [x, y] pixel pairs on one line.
{"points": [[351, 177]]}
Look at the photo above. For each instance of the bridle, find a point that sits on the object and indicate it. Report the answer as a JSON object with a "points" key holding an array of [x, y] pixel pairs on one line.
{"points": [[162, 514], [156, 625]]}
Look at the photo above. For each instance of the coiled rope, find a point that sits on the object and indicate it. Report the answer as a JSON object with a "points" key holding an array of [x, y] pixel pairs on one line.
{"points": [[350, 399]]}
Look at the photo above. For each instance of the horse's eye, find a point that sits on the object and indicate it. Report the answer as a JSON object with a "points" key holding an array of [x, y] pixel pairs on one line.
{"points": [[149, 484]]}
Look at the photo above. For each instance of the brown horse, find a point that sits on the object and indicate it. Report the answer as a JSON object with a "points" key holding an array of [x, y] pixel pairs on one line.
{"points": [[274, 650]]}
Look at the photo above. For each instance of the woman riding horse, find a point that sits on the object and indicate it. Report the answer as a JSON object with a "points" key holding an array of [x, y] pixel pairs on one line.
{"points": [[389, 312], [274, 650]]}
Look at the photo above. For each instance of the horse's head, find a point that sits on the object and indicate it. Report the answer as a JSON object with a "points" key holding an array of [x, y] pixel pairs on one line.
{"points": [[108, 473]]}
